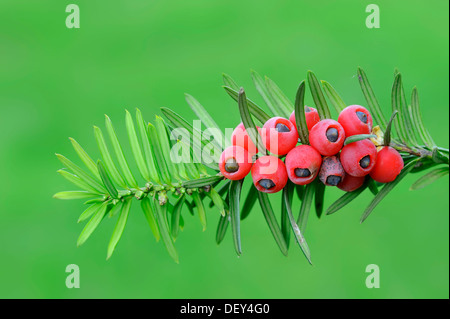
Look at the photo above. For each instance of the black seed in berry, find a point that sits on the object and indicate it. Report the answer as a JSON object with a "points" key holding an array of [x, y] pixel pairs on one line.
{"points": [[282, 128], [362, 116], [332, 134], [365, 161], [302, 172], [333, 180], [266, 183], [231, 165]]}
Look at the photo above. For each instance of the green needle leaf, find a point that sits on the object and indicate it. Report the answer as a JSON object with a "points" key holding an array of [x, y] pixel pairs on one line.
{"points": [[120, 226], [254, 109], [221, 190], [92, 224], [200, 208], [248, 122], [387, 188], [438, 157], [176, 214], [200, 167], [298, 234], [418, 123], [372, 186], [119, 153], [422, 164], [207, 120], [165, 147], [319, 99], [333, 96], [81, 174], [135, 147], [300, 117], [228, 81], [76, 181], [159, 154], [319, 195], [181, 166], [222, 227], [429, 178], [359, 137], [192, 170], [109, 164], [288, 191], [107, 181], [249, 202], [396, 100], [372, 102], [85, 158], [235, 194], [117, 208], [200, 182], [272, 222], [405, 116], [224, 187], [142, 128], [164, 229], [300, 190], [284, 106], [217, 200], [262, 89], [74, 195], [345, 199], [306, 205], [150, 216], [91, 210], [96, 200], [387, 133]]}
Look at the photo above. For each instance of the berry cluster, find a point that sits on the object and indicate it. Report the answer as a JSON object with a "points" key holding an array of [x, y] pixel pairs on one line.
{"points": [[326, 157]]}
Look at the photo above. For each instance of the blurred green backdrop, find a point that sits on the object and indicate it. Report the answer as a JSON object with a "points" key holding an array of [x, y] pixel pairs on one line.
{"points": [[57, 82]]}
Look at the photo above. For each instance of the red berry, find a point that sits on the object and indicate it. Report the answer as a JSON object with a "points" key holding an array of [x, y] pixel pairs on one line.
{"points": [[359, 158], [355, 119], [331, 173], [351, 183], [311, 115], [240, 138], [269, 174], [235, 163], [327, 137], [389, 164], [303, 164], [279, 135]]}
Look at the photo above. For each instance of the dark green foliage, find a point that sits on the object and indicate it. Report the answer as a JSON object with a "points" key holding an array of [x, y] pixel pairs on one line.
{"points": [[109, 186]]}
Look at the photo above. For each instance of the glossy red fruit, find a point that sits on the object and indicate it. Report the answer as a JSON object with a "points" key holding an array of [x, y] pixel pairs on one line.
{"points": [[269, 174], [355, 119], [279, 135], [351, 183], [311, 116], [303, 164], [240, 137], [235, 163], [359, 158], [331, 173], [327, 137], [389, 164]]}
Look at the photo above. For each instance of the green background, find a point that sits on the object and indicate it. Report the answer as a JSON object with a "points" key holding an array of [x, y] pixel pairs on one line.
{"points": [[57, 82]]}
